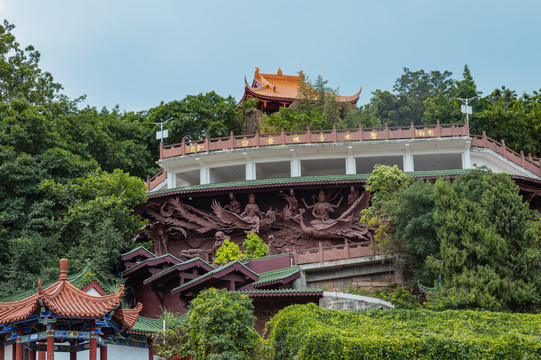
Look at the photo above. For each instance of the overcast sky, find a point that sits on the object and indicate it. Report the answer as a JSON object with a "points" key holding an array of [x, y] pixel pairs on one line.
{"points": [[138, 53]]}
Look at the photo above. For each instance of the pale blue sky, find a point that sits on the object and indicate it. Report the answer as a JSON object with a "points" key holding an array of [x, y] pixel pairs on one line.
{"points": [[138, 53]]}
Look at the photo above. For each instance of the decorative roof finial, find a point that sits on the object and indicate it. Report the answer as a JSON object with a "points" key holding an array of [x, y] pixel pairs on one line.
{"points": [[40, 289], [63, 270], [279, 72], [257, 70]]}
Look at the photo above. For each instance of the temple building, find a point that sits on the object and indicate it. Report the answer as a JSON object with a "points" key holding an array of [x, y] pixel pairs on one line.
{"points": [[302, 192], [278, 90], [73, 317]]}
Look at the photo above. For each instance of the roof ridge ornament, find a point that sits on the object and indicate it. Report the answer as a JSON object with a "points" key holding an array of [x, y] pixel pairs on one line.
{"points": [[63, 270], [40, 289], [279, 72]]}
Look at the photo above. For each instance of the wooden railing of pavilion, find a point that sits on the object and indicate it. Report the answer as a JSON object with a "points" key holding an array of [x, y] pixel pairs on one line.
{"points": [[336, 252], [341, 135]]}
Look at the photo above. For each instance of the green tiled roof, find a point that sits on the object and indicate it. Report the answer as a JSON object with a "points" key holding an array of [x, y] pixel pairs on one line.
{"points": [[281, 291], [275, 275], [298, 180], [173, 266], [137, 248], [248, 183], [209, 274], [79, 280], [150, 259], [145, 325]]}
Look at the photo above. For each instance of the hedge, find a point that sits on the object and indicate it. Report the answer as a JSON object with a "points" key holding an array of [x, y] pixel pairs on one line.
{"points": [[309, 332]]}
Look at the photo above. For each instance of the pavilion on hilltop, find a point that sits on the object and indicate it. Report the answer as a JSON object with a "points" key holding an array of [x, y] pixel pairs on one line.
{"points": [[64, 318], [278, 90]]}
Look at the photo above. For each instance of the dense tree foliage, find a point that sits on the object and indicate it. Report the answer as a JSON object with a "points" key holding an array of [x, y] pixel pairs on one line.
{"points": [[218, 326], [54, 199], [197, 116], [488, 251], [474, 231], [421, 97], [20, 75]]}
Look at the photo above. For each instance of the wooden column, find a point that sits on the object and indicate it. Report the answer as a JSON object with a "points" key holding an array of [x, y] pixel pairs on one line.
{"points": [[19, 344], [151, 350], [41, 354], [50, 341], [103, 349], [73, 350], [31, 354], [2, 351], [93, 340]]}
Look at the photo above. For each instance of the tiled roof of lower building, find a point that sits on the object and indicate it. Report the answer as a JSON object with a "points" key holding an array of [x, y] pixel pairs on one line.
{"points": [[185, 265], [274, 276], [282, 292], [304, 180], [216, 272]]}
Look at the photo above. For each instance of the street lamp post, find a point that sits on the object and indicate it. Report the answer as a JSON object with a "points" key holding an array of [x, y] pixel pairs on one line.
{"points": [[466, 109]]}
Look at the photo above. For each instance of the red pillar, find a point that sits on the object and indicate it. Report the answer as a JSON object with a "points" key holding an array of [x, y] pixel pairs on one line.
{"points": [[41, 354], [2, 351], [19, 344], [103, 349], [31, 354], [93, 340], [151, 351], [50, 342]]}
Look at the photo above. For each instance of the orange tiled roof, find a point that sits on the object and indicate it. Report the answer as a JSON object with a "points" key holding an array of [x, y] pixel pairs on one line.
{"points": [[283, 87], [66, 300], [128, 317]]}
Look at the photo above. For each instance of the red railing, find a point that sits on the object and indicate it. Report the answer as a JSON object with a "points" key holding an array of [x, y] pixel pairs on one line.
{"points": [[336, 252], [313, 137], [157, 179], [529, 163], [346, 135]]}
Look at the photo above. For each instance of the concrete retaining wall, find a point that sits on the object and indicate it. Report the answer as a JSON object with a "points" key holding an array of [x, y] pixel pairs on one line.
{"points": [[342, 301]]}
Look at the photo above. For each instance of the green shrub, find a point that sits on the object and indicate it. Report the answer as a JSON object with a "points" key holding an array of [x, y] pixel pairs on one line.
{"points": [[308, 332]]}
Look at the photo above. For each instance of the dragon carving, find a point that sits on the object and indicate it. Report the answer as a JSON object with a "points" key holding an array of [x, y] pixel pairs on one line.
{"points": [[172, 219]]}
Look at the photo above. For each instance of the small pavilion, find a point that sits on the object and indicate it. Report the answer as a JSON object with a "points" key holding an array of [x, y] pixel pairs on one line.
{"points": [[62, 318]]}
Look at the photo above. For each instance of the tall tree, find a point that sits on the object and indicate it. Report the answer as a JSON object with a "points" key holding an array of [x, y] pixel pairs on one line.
{"points": [[20, 75], [220, 326], [489, 252]]}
